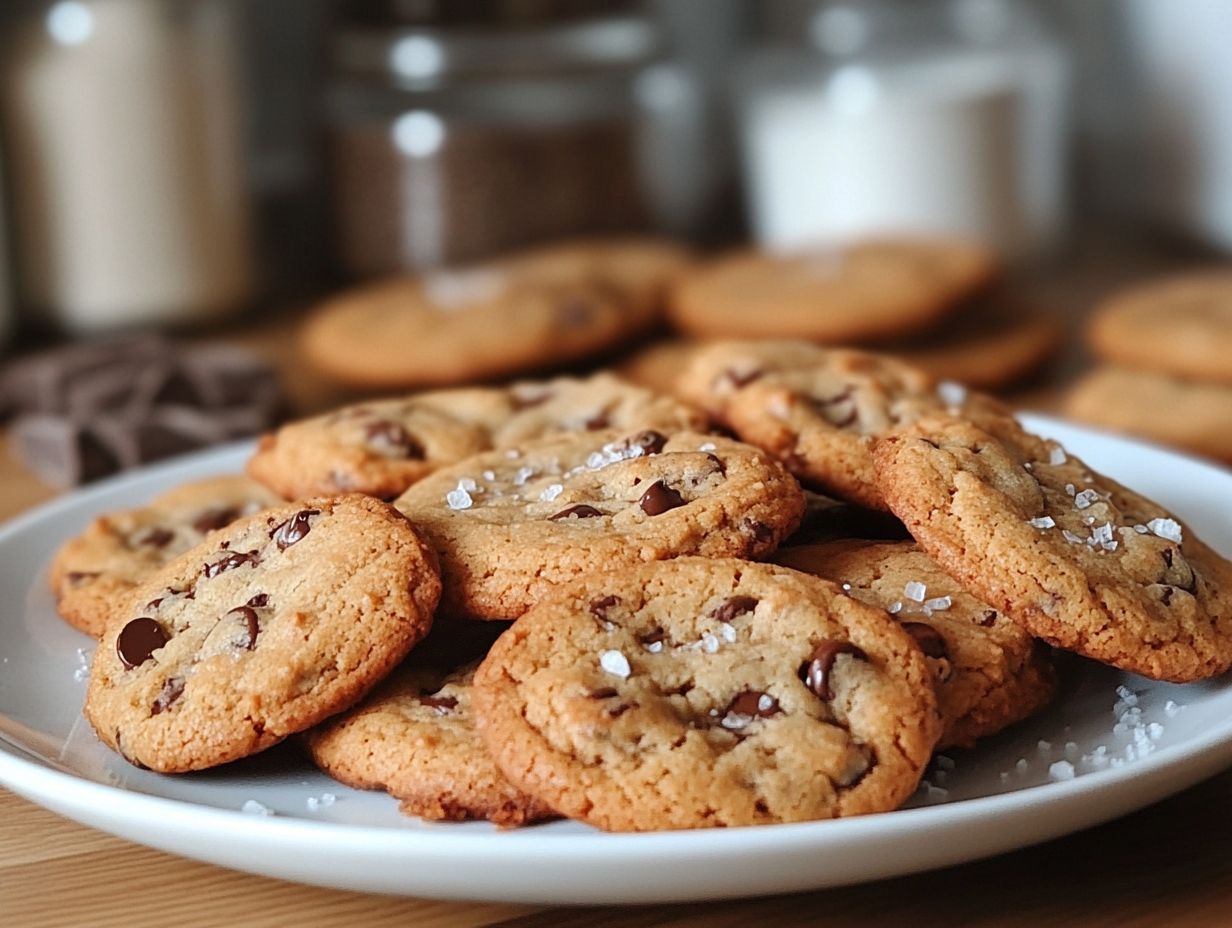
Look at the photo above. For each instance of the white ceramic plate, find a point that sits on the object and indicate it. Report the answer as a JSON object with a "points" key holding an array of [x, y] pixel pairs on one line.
{"points": [[1007, 793]]}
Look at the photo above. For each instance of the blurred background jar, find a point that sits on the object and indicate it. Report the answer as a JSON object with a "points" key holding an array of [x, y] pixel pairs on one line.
{"points": [[906, 116], [123, 125], [457, 130]]}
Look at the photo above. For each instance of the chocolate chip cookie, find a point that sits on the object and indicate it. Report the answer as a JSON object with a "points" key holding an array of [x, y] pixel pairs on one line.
{"points": [[705, 693], [511, 525], [1181, 326], [817, 409], [1067, 553], [92, 572], [263, 630], [988, 672], [415, 738], [528, 311], [870, 290]]}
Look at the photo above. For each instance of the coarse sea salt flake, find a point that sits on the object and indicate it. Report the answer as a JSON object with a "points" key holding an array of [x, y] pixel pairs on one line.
{"points": [[615, 663], [458, 498], [765, 703], [252, 807], [915, 591], [1169, 529], [710, 644], [937, 604], [1056, 455], [1069, 488], [1085, 499], [1061, 770], [466, 483], [707, 446], [1044, 746], [894, 608], [653, 647], [320, 802], [951, 393], [1043, 522], [551, 492], [1071, 537], [489, 475], [728, 632], [1022, 766], [1171, 708]]}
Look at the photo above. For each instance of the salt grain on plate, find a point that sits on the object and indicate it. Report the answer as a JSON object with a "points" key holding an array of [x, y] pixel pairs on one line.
{"points": [[1061, 770], [252, 807], [319, 802]]}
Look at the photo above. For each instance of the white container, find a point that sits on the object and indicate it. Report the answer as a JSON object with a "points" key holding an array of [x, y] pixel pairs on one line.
{"points": [[948, 140], [123, 120]]}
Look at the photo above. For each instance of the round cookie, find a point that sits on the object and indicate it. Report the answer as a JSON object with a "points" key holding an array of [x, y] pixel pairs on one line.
{"points": [[989, 673], [658, 365], [512, 525], [1070, 555], [1179, 325], [532, 310], [382, 447], [870, 290], [264, 629], [1184, 413], [414, 737], [817, 409], [92, 572], [707, 693]]}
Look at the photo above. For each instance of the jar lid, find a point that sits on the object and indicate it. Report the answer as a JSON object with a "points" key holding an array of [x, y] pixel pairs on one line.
{"points": [[422, 58]]}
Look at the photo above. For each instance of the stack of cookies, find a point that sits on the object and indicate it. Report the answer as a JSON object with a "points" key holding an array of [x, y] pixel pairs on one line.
{"points": [[582, 598], [1166, 364]]}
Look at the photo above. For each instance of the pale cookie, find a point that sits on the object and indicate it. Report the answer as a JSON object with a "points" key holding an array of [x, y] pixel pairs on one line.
{"points": [[533, 310], [865, 291], [1183, 413], [415, 738], [1180, 325], [91, 573], [818, 409], [1070, 555], [383, 446], [512, 525], [261, 631], [989, 673], [707, 693]]}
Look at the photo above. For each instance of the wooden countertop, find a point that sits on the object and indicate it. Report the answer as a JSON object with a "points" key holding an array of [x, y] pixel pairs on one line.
{"points": [[1168, 864]]}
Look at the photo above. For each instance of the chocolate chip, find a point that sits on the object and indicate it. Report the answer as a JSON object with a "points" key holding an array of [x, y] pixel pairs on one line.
{"points": [[717, 462], [736, 379], [650, 441], [762, 533], [621, 709], [392, 439], [599, 608], [1166, 596], [139, 639], [169, 695], [988, 618], [247, 627], [236, 559], [928, 638], [78, 577], [441, 704], [654, 636], [294, 529], [217, 518], [599, 420], [606, 692], [580, 511], [1167, 555], [660, 498], [156, 538], [754, 704], [815, 672], [260, 601], [153, 604], [734, 606]]}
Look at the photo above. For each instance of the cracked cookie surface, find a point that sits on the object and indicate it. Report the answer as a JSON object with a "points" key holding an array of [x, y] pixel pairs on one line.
{"points": [[382, 447], [1074, 557], [92, 572], [989, 673], [512, 525], [264, 629], [703, 693]]}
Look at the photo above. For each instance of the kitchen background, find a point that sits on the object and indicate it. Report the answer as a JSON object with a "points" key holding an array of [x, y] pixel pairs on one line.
{"points": [[211, 169]]}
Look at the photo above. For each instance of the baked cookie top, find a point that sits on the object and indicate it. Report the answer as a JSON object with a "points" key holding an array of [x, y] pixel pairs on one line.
{"points": [[92, 572], [1180, 325], [1069, 554], [526, 311], [511, 525], [869, 290], [817, 409], [381, 447], [414, 737], [703, 693], [264, 629], [988, 671]]}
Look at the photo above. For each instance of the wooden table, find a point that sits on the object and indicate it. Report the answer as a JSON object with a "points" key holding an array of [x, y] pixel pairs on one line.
{"points": [[1167, 865]]}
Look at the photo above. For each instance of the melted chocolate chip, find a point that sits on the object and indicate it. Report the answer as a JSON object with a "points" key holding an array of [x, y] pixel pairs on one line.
{"points": [[247, 627], [156, 538], [260, 601], [138, 640], [1166, 596], [988, 618], [391, 438], [154, 604], [734, 606], [231, 561], [606, 692], [815, 672], [294, 529], [660, 498], [169, 695], [754, 704], [762, 533], [1167, 555], [650, 441], [928, 638], [737, 379], [717, 462], [654, 636], [441, 704], [580, 511], [599, 420], [600, 606], [213, 519]]}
